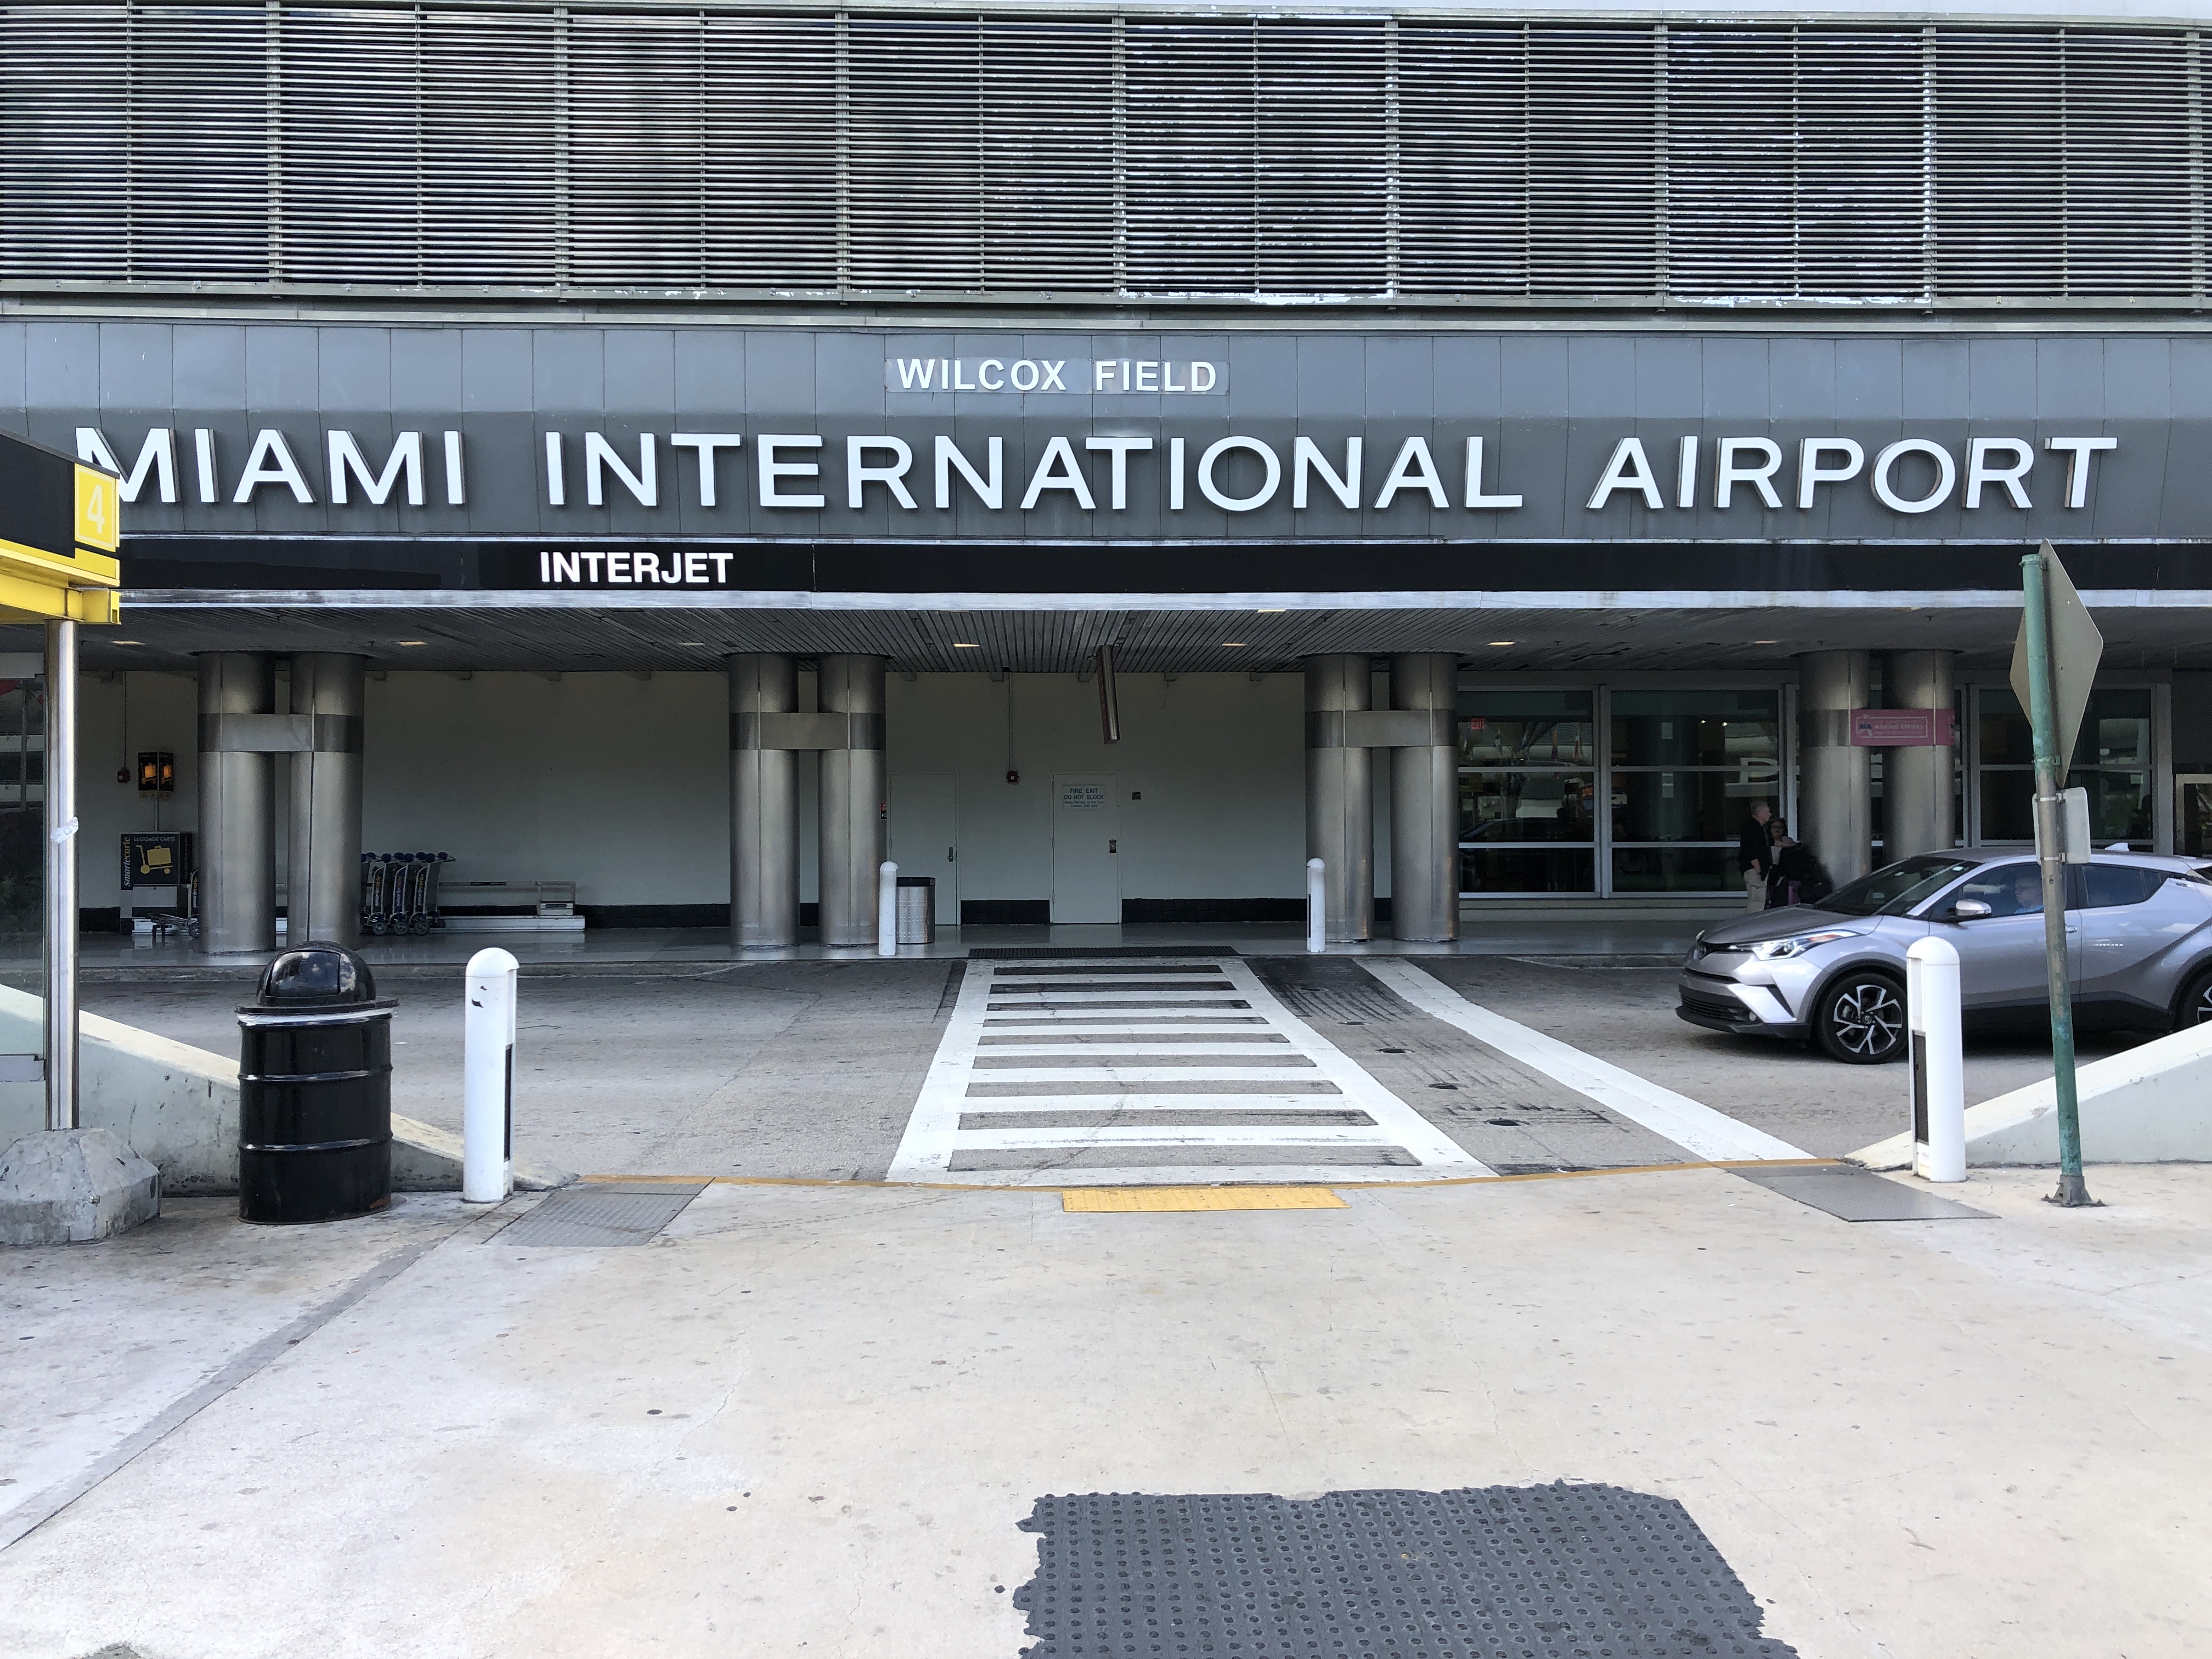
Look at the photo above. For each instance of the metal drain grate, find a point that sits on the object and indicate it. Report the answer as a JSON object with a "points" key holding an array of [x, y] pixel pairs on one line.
{"points": [[1861, 1195], [1537, 1570], [601, 1214]]}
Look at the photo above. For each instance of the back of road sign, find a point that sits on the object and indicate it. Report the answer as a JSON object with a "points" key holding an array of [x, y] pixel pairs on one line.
{"points": [[2077, 644]]}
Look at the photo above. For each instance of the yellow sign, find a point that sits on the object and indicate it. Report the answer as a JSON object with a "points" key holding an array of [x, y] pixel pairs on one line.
{"points": [[99, 517]]}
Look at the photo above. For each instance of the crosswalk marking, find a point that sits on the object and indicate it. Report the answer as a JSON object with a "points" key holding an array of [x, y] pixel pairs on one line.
{"points": [[1029, 1042]]}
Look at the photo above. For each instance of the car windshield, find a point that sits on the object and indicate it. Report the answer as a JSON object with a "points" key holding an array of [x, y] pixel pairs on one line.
{"points": [[1895, 888]]}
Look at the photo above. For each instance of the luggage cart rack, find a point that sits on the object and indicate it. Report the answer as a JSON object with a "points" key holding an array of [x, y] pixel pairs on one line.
{"points": [[399, 892]]}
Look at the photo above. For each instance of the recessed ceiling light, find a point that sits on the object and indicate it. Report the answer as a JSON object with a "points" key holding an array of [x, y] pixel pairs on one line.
{"points": [[966, 644], [126, 641], [1232, 645], [699, 642], [1272, 610], [1501, 641], [1766, 641], [410, 641]]}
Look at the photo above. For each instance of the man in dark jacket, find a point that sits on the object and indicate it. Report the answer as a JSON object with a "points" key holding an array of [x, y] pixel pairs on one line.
{"points": [[1754, 856]]}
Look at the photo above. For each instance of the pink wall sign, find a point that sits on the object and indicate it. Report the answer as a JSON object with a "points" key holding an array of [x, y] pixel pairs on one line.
{"points": [[1902, 728]]}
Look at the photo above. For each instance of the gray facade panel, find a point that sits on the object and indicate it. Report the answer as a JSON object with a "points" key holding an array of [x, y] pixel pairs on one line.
{"points": [[1552, 411]]}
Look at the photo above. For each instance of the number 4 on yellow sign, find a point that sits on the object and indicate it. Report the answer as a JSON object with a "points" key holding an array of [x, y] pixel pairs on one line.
{"points": [[98, 520]]}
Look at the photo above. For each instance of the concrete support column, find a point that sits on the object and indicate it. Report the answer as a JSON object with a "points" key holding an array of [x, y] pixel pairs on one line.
{"points": [[1835, 781], [853, 798], [1425, 803], [237, 846], [323, 890], [1339, 795], [1918, 809], [763, 804]]}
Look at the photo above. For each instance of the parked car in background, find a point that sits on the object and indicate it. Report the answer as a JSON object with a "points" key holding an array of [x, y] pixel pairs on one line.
{"points": [[2139, 944]]}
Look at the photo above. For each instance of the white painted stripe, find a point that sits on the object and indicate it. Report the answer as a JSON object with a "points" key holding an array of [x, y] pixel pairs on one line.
{"points": [[1692, 1125], [1197, 1134], [1116, 1042], [1177, 998], [989, 1104], [1204, 1174], [1111, 1074], [924, 1150]]}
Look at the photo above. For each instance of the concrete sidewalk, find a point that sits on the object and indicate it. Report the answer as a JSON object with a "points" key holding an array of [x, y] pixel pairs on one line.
{"points": [[809, 1419]]}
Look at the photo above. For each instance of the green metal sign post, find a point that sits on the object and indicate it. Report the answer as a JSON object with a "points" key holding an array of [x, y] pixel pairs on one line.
{"points": [[2051, 743]]}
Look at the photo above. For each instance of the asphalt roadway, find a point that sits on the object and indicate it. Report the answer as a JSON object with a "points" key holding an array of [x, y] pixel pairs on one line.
{"points": [[810, 1069]]}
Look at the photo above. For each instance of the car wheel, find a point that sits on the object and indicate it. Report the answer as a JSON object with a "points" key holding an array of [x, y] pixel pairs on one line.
{"points": [[2195, 1008], [1861, 1019]]}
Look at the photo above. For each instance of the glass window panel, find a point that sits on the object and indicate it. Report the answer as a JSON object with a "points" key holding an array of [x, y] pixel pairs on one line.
{"points": [[1681, 805], [2115, 729], [1526, 728], [22, 813], [2010, 889], [2008, 804], [1501, 806], [2119, 805], [2195, 817], [1675, 870], [1697, 728], [2113, 885], [1528, 869]]}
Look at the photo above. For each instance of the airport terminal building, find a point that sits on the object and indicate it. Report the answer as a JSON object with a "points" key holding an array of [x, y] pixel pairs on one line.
{"points": [[1101, 457]]}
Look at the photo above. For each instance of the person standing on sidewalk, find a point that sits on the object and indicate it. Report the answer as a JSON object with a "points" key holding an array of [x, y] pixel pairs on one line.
{"points": [[1755, 856]]}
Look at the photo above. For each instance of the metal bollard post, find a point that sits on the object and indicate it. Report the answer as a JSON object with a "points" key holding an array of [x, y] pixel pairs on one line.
{"points": [[1939, 1082], [887, 909], [1316, 907], [487, 1079]]}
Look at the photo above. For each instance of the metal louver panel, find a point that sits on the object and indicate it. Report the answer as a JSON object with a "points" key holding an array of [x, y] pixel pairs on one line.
{"points": [[729, 147]]}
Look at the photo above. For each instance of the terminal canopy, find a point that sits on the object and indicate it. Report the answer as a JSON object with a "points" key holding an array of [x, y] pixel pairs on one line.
{"points": [[58, 533]]}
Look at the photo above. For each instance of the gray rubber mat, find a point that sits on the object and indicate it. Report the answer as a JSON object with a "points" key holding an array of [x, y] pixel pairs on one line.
{"points": [[600, 1214], [1495, 1570], [1862, 1195]]}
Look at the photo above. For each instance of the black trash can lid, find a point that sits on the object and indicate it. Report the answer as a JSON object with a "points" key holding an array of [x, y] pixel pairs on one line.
{"points": [[316, 975]]}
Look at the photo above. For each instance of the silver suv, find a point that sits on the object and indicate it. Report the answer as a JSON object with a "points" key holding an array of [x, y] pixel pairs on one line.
{"points": [[2138, 931]]}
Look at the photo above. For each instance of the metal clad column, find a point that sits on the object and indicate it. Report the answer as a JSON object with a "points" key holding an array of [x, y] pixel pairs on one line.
{"points": [[1339, 795], [237, 849], [61, 875], [1918, 811], [853, 783], [1425, 805], [323, 889], [763, 804], [1835, 781]]}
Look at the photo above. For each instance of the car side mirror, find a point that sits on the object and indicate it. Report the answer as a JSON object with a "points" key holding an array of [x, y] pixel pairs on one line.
{"points": [[1968, 909]]}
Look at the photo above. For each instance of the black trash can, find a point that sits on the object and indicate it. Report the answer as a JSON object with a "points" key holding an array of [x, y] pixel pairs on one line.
{"points": [[314, 1075]]}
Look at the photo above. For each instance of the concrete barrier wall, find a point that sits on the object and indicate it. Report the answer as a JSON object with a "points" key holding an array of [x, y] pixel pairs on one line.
{"points": [[177, 1107], [2150, 1104]]}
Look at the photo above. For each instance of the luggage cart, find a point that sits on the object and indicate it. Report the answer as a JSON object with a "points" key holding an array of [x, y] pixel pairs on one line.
{"points": [[399, 892]]}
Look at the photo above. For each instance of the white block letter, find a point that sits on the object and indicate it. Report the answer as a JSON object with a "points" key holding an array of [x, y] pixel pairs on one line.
{"points": [[1120, 449], [1629, 469], [707, 444], [346, 460], [271, 461], [159, 453], [1811, 474], [1947, 474], [1259, 498], [773, 468], [1306, 456], [1760, 477], [992, 495], [2077, 451], [858, 474], [1476, 498], [1057, 470], [2013, 477], [644, 483]]}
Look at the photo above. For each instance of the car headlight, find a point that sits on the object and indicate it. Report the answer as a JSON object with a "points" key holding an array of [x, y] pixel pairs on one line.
{"points": [[1797, 945]]}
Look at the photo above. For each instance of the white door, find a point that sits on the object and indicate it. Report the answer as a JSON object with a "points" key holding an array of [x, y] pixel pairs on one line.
{"points": [[1086, 848], [923, 835]]}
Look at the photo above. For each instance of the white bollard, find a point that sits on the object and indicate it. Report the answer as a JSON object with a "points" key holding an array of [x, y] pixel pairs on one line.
{"points": [[887, 909], [487, 1079], [1317, 907], [1939, 1080]]}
